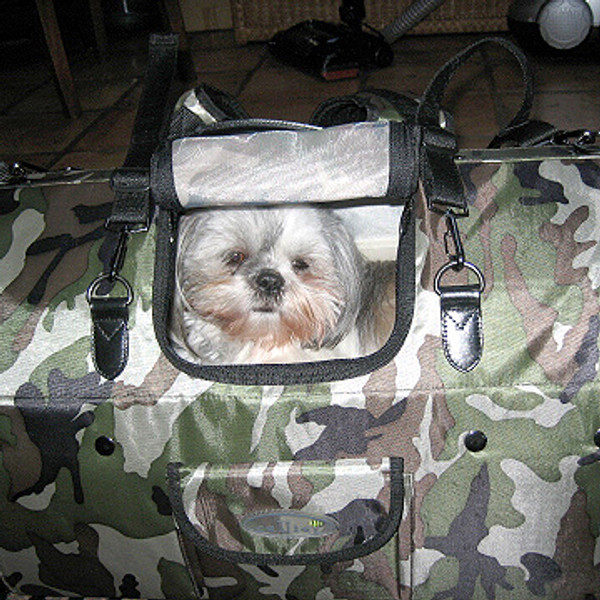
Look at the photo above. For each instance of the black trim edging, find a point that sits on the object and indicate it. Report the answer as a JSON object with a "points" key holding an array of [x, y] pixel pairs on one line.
{"points": [[292, 373]]}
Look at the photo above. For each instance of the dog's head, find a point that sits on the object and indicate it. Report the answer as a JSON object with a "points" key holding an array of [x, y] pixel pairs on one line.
{"points": [[270, 276]]}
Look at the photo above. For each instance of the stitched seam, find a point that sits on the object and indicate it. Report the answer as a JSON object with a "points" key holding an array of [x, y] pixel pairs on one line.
{"points": [[464, 321], [110, 374], [99, 324], [464, 365]]}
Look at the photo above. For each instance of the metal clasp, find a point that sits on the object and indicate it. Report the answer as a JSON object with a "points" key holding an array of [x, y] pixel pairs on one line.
{"points": [[19, 172], [93, 292], [112, 276], [452, 234], [579, 139], [119, 256], [461, 325], [437, 283], [456, 254]]}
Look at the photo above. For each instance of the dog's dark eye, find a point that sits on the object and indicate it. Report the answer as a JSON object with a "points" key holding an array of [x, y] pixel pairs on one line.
{"points": [[235, 258], [299, 264]]}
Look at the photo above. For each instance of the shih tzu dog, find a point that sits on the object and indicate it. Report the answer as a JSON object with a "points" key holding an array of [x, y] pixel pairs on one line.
{"points": [[276, 285]]}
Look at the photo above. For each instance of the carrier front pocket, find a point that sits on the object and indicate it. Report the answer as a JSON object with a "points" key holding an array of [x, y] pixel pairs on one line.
{"points": [[292, 529]]}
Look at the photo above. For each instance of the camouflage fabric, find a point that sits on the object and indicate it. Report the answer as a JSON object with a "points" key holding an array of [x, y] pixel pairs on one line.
{"points": [[354, 493], [228, 495], [85, 504]]}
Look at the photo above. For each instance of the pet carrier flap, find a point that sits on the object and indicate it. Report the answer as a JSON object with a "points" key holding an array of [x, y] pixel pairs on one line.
{"points": [[358, 160]]}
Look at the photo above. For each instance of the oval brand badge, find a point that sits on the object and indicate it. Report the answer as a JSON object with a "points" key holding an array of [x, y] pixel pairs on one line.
{"points": [[289, 524]]}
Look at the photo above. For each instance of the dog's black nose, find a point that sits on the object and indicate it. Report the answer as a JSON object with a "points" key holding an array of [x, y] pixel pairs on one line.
{"points": [[270, 282]]}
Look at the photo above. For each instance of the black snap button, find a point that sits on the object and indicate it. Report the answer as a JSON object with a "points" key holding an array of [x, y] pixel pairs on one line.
{"points": [[105, 446], [597, 438], [475, 441]]}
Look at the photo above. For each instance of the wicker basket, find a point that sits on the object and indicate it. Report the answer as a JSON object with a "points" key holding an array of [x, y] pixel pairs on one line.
{"points": [[259, 20]]}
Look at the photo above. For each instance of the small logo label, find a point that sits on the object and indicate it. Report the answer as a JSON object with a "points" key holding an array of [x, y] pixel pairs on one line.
{"points": [[289, 524]]}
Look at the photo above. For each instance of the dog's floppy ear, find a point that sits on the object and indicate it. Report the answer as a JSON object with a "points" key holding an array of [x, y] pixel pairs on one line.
{"points": [[349, 265]]}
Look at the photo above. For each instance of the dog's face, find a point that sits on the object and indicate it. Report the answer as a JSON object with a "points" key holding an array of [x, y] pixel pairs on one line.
{"points": [[270, 276]]}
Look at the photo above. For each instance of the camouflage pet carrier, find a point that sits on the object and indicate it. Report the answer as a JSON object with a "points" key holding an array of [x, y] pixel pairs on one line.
{"points": [[336, 360]]}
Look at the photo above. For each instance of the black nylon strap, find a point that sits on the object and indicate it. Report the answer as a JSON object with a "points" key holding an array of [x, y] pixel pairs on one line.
{"points": [[531, 133], [429, 109], [132, 199], [404, 144], [441, 181], [131, 209]]}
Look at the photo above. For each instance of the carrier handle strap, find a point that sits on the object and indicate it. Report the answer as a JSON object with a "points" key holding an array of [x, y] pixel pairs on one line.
{"points": [[460, 305], [441, 181], [521, 130], [131, 211], [429, 108], [131, 182]]}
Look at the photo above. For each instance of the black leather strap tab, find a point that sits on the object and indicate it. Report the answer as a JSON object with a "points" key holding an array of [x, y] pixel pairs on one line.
{"points": [[110, 338], [462, 326]]}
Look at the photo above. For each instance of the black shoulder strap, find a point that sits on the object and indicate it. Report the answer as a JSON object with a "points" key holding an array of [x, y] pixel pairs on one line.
{"points": [[530, 133], [131, 182], [460, 306], [370, 104]]}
